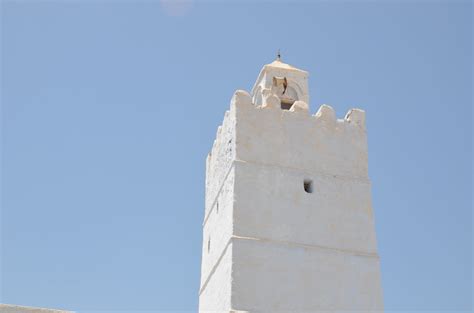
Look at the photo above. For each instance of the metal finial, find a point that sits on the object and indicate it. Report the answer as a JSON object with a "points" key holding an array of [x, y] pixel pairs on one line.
{"points": [[278, 55]]}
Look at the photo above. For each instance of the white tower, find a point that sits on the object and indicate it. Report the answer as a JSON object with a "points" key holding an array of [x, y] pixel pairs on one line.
{"points": [[288, 223]]}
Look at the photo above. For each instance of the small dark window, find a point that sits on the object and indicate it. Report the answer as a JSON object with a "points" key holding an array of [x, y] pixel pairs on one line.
{"points": [[286, 105], [308, 185], [209, 245], [217, 207]]}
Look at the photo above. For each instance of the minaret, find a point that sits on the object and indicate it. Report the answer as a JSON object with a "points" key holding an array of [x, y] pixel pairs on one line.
{"points": [[288, 223]]}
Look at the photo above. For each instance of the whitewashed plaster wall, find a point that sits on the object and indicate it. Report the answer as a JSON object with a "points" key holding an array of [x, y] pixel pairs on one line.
{"points": [[216, 261], [272, 247]]}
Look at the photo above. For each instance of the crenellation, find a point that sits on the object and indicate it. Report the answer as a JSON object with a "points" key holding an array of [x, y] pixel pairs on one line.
{"points": [[220, 158], [300, 107], [294, 138], [326, 114], [356, 116], [269, 100]]}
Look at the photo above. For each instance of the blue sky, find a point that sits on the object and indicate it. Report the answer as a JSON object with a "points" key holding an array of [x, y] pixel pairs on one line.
{"points": [[110, 107]]}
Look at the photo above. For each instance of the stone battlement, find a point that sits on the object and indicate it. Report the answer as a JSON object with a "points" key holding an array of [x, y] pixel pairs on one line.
{"points": [[267, 134]]}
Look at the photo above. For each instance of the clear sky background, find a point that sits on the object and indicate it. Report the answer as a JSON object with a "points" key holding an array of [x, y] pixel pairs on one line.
{"points": [[110, 107]]}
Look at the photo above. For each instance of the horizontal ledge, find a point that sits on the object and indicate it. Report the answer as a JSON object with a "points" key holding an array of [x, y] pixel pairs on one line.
{"points": [[308, 246], [316, 173], [279, 242]]}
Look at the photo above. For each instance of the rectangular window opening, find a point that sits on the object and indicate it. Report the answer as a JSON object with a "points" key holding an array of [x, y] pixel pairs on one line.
{"points": [[308, 185]]}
